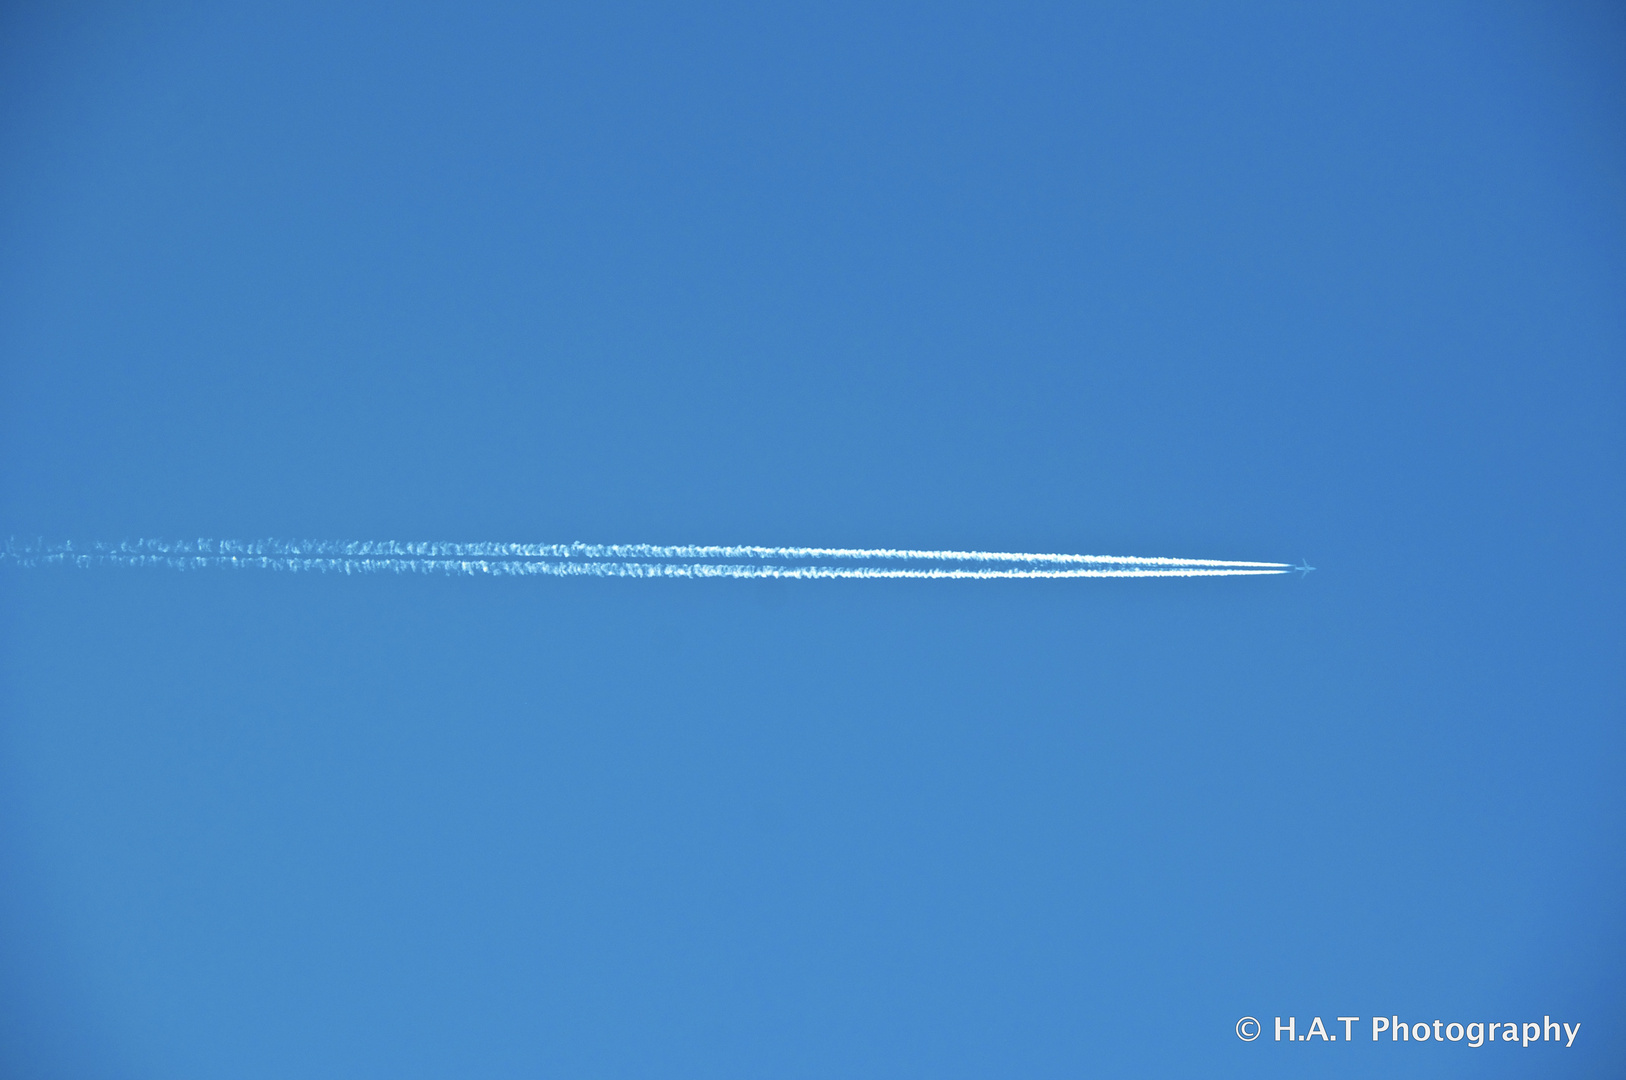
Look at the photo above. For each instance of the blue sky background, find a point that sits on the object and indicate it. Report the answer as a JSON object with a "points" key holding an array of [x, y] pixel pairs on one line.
{"points": [[1258, 282]]}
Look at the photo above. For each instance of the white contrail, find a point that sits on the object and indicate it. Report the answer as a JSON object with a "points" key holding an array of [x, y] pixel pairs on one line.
{"points": [[608, 560]]}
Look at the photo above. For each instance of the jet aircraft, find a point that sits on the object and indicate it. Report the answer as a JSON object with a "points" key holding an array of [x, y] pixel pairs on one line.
{"points": [[1304, 568]]}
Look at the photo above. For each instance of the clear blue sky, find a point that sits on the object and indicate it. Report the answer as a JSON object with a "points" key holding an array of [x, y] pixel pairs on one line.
{"points": [[1336, 282]]}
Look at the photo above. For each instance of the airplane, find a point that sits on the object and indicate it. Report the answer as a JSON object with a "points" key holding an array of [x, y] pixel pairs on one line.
{"points": [[1303, 568]]}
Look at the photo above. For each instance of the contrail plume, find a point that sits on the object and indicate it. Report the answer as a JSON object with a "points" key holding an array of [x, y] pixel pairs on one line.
{"points": [[607, 560]]}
